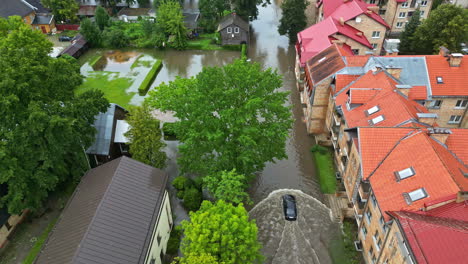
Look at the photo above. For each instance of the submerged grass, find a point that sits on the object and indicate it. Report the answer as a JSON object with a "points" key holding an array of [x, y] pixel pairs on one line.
{"points": [[139, 63], [113, 87], [208, 42], [342, 248], [326, 171], [94, 60]]}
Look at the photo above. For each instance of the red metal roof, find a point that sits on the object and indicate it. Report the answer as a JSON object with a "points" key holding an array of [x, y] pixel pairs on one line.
{"points": [[435, 239]]}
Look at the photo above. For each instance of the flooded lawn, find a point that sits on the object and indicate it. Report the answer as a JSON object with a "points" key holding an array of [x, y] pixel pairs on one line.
{"points": [[119, 73]]}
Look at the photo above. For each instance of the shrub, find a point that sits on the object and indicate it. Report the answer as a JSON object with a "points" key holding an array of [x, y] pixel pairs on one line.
{"points": [[244, 52], [192, 199], [180, 194], [180, 182], [321, 149], [169, 131], [149, 79], [174, 241]]}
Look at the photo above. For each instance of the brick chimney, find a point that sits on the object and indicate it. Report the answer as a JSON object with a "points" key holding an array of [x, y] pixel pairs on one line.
{"points": [[359, 33], [455, 59], [441, 134], [427, 118]]}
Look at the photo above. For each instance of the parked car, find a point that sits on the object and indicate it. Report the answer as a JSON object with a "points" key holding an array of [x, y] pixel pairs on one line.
{"points": [[65, 38], [289, 207]]}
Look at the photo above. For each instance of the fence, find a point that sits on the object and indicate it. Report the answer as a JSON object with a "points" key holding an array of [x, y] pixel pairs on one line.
{"points": [[63, 27]]}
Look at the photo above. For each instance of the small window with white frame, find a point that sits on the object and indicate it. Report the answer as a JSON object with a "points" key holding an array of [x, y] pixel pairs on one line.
{"points": [[372, 110], [404, 5], [376, 120], [402, 15], [375, 34], [229, 30], [455, 119], [415, 195], [400, 24], [423, 3], [406, 173], [374, 46], [461, 104], [236, 30]]}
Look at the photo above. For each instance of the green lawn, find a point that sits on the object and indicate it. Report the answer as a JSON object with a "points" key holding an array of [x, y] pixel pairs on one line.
{"points": [[208, 42], [139, 63], [342, 248], [325, 169], [113, 87]]}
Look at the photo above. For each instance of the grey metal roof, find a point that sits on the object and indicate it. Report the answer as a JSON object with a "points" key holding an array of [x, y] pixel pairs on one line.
{"points": [[233, 19], [40, 8], [110, 217], [43, 20], [14, 8], [104, 124], [414, 71]]}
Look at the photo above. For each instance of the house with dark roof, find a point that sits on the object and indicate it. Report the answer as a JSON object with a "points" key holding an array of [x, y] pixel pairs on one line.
{"points": [[234, 30], [32, 12], [110, 136], [79, 45], [119, 213]]}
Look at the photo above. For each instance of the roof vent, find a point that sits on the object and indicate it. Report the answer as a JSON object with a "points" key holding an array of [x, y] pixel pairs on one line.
{"points": [[403, 174], [415, 195], [372, 110]]}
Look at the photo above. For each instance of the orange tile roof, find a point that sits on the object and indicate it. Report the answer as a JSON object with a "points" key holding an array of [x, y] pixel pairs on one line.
{"points": [[433, 169], [342, 80], [454, 78], [457, 142], [418, 93], [361, 96], [356, 61]]}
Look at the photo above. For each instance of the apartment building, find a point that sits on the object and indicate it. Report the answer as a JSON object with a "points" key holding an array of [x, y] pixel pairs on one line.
{"points": [[360, 16], [397, 13]]}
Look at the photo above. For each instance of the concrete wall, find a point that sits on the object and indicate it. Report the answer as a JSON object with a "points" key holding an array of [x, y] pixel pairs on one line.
{"points": [[234, 38], [447, 109], [161, 232]]}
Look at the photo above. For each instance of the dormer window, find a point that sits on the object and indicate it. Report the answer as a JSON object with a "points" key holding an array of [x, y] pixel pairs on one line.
{"points": [[439, 79], [372, 110], [377, 120], [415, 195], [403, 174]]}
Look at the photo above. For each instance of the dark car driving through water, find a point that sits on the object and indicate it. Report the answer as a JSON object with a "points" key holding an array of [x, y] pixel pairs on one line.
{"points": [[289, 207]]}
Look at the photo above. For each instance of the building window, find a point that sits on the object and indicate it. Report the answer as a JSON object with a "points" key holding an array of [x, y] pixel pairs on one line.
{"points": [[410, 14], [7, 225], [371, 254], [152, 261], [159, 239], [399, 24], [236, 30], [461, 104], [377, 240], [402, 15], [424, 3], [355, 51], [439, 79], [434, 104], [382, 12], [415, 195], [421, 14], [404, 5], [372, 110], [376, 120], [368, 216], [375, 34], [374, 200], [403, 174], [382, 223], [372, 2], [374, 46], [455, 119], [364, 231], [229, 30]]}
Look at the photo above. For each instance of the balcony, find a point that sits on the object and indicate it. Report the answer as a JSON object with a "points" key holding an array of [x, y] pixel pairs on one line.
{"points": [[364, 189]]}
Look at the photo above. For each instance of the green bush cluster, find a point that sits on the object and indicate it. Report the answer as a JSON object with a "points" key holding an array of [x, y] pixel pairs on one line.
{"points": [[325, 168], [244, 52], [320, 149], [190, 191], [169, 130], [174, 241], [149, 79]]}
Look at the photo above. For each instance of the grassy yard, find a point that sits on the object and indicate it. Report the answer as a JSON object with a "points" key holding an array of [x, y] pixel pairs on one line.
{"points": [[113, 86], [204, 42], [342, 248], [325, 169]]}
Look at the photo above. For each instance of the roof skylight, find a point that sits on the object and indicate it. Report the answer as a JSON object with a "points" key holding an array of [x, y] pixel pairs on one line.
{"points": [[377, 120], [415, 195], [439, 79], [406, 173], [372, 110]]}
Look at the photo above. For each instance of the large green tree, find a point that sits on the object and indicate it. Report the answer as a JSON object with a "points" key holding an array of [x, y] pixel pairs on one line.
{"points": [[212, 11], [145, 137], [91, 32], [228, 186], [446, 26], [171, 20], [102, 18], [223, 231], [44, 126], [248, 8], [63, 10], [293, 19], [231, 117], [407, 36]]}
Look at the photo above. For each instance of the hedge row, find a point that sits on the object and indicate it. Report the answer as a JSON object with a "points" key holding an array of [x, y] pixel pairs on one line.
{"points": [[244, 52], [149, 79]]}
